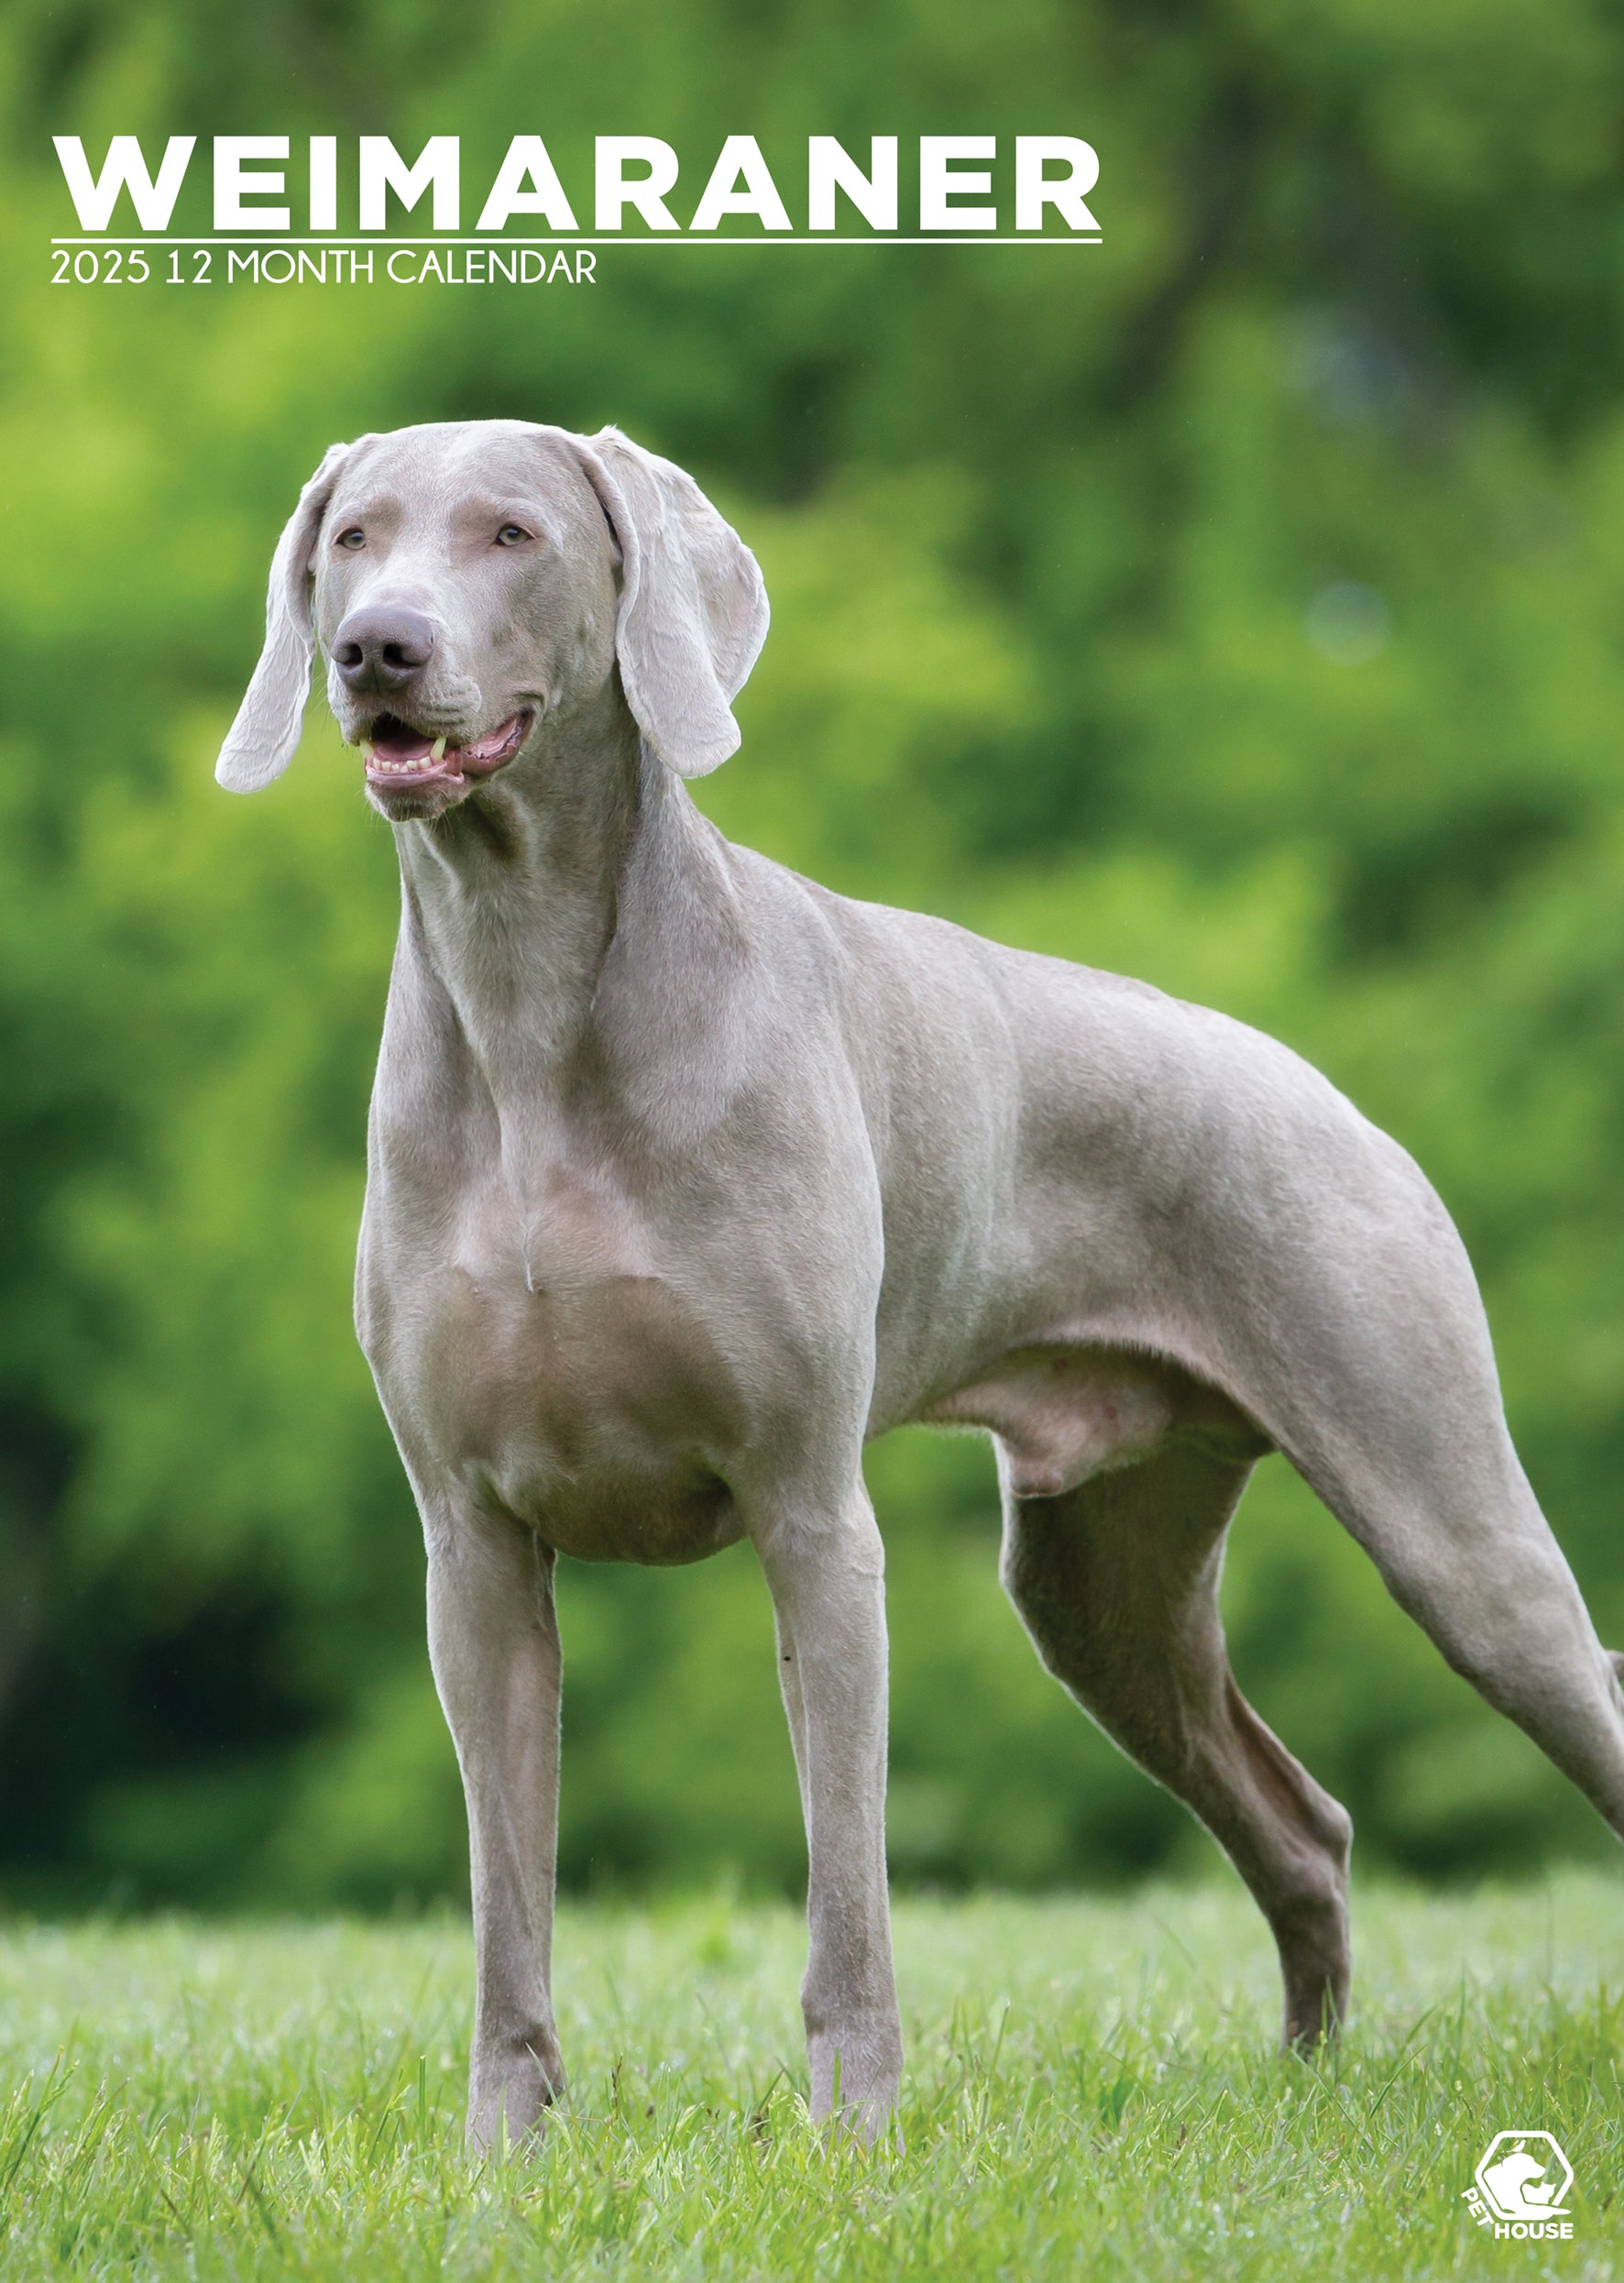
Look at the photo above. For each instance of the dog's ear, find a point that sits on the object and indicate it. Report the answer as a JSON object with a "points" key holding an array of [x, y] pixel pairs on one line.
{"points": [[262, 739], [693, 608]]}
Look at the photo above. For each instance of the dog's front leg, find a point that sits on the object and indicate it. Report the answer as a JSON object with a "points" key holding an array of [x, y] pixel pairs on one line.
{"points": [[493, 1639], [827, 1576]]}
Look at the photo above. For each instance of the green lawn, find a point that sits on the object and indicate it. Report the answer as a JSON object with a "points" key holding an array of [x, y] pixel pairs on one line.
{"points": [[1091, 2090]]}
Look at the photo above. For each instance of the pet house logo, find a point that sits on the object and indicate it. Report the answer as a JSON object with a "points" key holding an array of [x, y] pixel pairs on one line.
{"points": [[1521, 2187]]}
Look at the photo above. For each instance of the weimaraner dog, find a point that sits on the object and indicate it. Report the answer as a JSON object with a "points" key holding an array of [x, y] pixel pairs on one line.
{"points": [[686, 1175]]}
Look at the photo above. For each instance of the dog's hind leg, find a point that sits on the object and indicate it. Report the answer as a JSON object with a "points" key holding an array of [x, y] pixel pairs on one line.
{"points": [[1116, 1582], [1463, 1549], [1370, 1365]]}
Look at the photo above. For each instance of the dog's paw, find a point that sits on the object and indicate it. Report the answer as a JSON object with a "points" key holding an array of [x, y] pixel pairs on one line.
{"points": [[855, 2076], [510, 2094]]}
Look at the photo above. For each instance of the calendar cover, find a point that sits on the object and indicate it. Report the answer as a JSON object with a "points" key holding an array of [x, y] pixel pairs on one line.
{"points": [[1142, 486]]}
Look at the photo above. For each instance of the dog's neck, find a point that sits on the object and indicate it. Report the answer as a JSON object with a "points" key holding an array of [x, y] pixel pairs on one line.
{"points": [[529, 908]]}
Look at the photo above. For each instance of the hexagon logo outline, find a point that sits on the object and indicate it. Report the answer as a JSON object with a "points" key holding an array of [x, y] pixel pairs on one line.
{"points": [[1513, 2180]]}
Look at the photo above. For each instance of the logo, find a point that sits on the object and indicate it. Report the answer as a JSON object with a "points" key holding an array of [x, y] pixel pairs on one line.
{"points": [[1523, 2184]]}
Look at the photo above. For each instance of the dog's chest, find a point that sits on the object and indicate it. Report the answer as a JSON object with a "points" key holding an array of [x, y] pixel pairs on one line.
{"points": [[548, 1351]]}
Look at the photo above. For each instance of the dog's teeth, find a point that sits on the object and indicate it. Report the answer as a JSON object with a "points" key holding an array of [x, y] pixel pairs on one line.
{"points": [[368, 755], [439, 748]]}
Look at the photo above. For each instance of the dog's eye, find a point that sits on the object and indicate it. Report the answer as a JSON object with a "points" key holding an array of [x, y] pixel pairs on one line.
{"points": [[353, 537], [511, 535]]}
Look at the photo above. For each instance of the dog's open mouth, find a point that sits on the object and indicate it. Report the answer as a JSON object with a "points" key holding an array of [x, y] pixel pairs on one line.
{"points": [[402, 759]]}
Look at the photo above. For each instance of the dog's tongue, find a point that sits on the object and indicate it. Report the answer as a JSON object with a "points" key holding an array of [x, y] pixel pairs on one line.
{"points": [[400, 745], [397, 748]]}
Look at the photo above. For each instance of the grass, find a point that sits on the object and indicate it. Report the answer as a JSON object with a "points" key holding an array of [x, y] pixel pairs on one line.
{"points": [[1090, 2092]]}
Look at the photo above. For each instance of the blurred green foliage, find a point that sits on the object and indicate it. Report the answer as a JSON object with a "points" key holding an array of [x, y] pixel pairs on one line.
{"points": [[1237, 603]]}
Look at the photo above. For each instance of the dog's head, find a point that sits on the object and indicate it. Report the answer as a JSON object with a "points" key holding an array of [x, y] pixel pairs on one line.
{"points": [[470, 582]]}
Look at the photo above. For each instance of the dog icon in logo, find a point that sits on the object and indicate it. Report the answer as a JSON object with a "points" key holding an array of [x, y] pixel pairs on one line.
{"points": [[1524, 2176]]}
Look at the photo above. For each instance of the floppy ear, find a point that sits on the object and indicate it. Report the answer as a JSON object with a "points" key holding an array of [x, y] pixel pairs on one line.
{"points": [[693, 608], [262, 739]]}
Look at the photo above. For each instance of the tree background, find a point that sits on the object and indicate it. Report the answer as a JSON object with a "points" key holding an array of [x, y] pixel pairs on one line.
{"points": [[1237, 603]]}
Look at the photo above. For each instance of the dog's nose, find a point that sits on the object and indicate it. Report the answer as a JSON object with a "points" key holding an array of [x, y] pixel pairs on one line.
{"points": [[382, 650]]}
